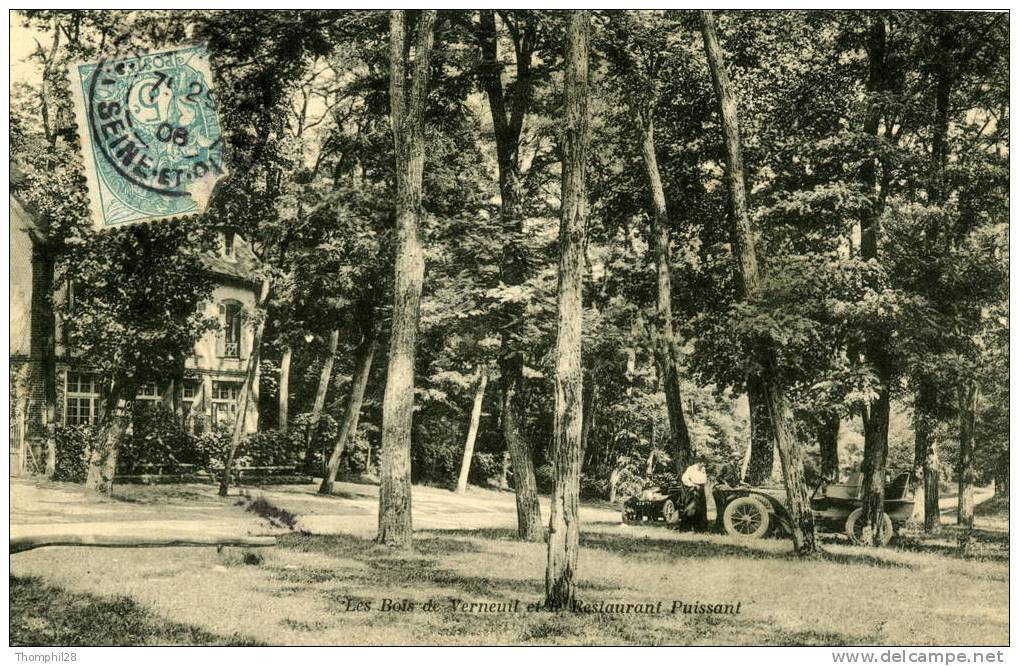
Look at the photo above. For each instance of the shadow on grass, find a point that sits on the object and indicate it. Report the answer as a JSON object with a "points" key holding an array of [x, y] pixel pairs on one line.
{"points": [[996, 507], [416, 569], [645, 547], [45, 615], [986, 545]]}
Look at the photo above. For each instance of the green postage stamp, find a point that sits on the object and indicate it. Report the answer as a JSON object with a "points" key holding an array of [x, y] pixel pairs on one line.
{"points": [[150, 134]]}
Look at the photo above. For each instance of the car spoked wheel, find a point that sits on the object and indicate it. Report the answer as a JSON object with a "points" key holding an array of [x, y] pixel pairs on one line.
{"points": [[855, 524], [746, 517], [670, 512]]}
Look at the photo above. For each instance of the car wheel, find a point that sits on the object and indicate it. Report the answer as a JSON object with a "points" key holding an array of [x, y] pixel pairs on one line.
{"points": [[670, 513], [854, 527], [746, 517]]}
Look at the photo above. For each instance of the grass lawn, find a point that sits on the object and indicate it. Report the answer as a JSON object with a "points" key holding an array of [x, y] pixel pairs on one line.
{"points": [[921, 592]]}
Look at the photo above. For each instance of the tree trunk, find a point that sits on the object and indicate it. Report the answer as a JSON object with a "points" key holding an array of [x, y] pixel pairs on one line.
{"points": [[508, 113], [246, 390], [406, 115], [828, 444], [875, 450], [284, 397], [49, 364], [666, 344], [1001, 481], [762, 438], [967, 447], [116, 419], [804, 532], [507, 465], [564, 525], [353, 414], [525, 486], [472, 429], [875, 459], [925, 458], [324, 377], [590, 409]]}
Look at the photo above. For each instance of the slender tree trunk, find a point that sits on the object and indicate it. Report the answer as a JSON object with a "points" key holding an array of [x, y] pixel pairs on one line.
{"points": [[284, 397], [508, 113], [828, 444], [406, 115], [804, 532], [666, 343], [925, 458], [49, 364], [590, 410], [525, 486], [507, 465], [116, 419], [353, 414], [967, 447], [762, 438], [481, 382], [324, 377], [246, 389], [564, 525]]}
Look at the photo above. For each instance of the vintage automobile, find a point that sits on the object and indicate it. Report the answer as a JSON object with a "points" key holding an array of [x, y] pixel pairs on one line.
{"points": [[754, 512]]}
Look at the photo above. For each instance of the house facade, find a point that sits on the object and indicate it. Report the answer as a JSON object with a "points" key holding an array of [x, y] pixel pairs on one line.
{"points": [[214, 372]]}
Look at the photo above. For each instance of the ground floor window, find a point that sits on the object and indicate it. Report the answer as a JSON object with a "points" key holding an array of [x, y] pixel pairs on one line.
{"points": [[148, 394], [224, 401], [81, 398]]}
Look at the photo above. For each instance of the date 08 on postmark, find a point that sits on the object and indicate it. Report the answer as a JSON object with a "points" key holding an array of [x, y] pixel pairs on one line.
{"points": [[150, 135]]}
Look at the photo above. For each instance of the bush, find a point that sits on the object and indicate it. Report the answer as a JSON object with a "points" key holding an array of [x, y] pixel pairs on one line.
{"points": [[157, 438], [325, 436], [74, 443], [485, 467], [272, 448], [593, 487]]}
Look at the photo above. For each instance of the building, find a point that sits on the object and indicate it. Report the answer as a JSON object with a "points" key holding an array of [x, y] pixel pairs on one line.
{"points": [[30, 272], [214, 372]]}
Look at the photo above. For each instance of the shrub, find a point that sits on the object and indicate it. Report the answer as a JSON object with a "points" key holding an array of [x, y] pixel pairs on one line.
{"points": [[325, 436], [272, 448], [157, 438], [486, 466], [593, 486], [74, 443]]}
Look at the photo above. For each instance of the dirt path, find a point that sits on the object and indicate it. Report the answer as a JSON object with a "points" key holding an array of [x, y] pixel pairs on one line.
{"points": [[177, 511], [46, 508]]}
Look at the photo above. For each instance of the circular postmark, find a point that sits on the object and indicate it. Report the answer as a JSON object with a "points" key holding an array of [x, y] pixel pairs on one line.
{"points": [[153, 120]]}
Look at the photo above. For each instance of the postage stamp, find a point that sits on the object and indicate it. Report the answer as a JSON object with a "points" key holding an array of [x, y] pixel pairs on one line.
{"points": [[150, 134]]}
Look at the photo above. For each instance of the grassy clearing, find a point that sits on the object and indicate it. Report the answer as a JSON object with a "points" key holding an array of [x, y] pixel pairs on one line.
{"points": [[46, 615], [299, 593]]}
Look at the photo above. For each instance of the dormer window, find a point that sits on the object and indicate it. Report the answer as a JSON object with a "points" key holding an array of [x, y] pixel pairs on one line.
{"points": [[227, 246]]}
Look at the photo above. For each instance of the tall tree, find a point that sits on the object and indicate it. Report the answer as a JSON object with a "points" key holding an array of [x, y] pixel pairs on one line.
{"points": [[640, 40], [509, 109], [876, 344], [803, 529], [564, 524], [406, 108]]}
